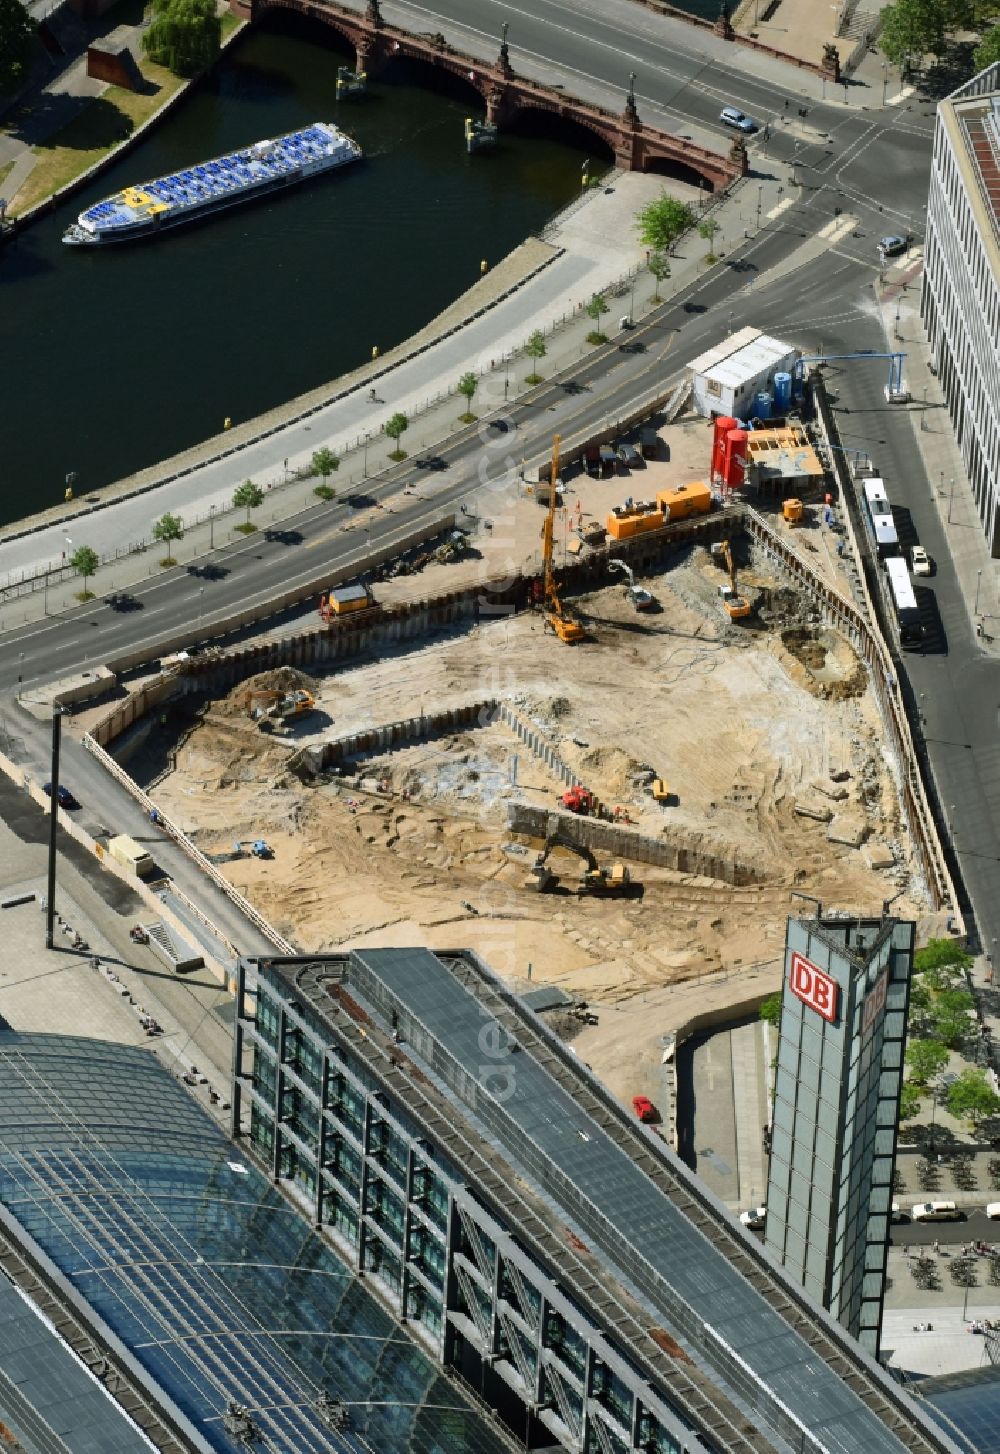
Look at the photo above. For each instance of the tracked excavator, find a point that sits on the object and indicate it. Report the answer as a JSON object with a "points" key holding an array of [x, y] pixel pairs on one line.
{"points": [[614, 881], [735, 605], [270, 707], [564, 626]]}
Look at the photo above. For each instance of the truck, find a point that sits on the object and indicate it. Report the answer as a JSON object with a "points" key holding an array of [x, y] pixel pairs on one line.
{"points": [[131, 855]]}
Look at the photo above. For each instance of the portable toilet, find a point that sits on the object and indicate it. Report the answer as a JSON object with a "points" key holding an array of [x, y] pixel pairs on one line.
{"points": [[723, 424], [762, 406], [734, 467], [782, 394]]}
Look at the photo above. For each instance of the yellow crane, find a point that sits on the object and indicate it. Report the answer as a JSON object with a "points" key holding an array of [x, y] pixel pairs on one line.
{"points": [[565, 628]]}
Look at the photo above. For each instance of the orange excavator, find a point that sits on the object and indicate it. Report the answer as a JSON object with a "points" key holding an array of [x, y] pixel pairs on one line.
{"points": [[564, 626]]}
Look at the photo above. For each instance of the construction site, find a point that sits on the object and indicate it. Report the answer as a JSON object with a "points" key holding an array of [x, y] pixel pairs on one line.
{"points": [[615, 796]]}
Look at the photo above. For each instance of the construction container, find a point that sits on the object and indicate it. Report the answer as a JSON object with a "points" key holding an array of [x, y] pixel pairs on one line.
{"points": [[649, 443], [131, 855], [685, 500], [627, 521], [344, 599]]}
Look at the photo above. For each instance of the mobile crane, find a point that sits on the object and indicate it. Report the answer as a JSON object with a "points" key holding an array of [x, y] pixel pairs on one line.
{"points": [[564, 626]]}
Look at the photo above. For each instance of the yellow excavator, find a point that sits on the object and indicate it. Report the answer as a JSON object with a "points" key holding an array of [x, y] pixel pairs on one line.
{"points": [[268, 707], [564, 626], [734, 605]]}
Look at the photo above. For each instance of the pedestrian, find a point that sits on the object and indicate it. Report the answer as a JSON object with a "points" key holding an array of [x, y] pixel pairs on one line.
{"points": [[937, 1249]]}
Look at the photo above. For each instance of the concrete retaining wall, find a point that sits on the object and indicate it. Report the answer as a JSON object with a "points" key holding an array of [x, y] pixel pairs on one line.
{"points": [[384, 738], [529, 734], [613, 838]]}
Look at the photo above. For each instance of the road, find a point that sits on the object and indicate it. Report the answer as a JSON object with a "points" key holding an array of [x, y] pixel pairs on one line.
{"points": [[873, 163]]}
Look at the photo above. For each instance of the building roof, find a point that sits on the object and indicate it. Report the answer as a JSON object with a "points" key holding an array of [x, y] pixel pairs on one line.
{"points": [[343, 594], [976, 109], [197, 1271], [744, 355], [623, 1192], [46, 1394], [967, 1404]]}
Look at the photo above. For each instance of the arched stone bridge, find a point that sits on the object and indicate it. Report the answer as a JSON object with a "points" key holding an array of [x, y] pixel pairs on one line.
{"points": [[635, 146]]}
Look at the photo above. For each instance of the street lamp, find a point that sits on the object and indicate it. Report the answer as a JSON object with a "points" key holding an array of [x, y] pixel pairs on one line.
{"points": [[885, 79], [951, 497], [979, 578], [211, 526], [760, 198], [201, 604], [364, 467]]}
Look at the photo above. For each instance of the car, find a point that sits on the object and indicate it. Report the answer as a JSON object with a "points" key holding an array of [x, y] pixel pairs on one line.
{"points": [[65, 797], [893, 245], [629, 456], [993, 1211], [920, 561], [896, 1214], [644, 1108], [936, 1212], [641, 599], [732, 116], [754, 1220]]}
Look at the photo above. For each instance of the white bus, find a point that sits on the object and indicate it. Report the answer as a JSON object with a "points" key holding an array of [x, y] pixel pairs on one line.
{"points": [[904, 602]]}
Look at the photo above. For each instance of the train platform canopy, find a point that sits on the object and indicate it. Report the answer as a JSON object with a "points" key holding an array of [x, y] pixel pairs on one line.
{"points": [[728, 377]]}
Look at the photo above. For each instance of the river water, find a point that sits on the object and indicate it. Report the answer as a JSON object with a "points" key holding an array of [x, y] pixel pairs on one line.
{"points": [[117, 358]]}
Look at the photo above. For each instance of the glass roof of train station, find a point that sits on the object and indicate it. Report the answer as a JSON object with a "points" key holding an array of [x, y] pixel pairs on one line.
{"points": [[217, 1286]]}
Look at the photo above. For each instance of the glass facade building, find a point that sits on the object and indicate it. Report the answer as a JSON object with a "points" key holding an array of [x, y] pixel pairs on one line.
{"points": [[836, 1109], [532, 1236]]}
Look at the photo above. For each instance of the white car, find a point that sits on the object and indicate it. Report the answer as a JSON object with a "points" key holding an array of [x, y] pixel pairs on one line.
{"points": [[993, 1211], [920, 561], [935, 1212], [733, 116], [754, 1220]]}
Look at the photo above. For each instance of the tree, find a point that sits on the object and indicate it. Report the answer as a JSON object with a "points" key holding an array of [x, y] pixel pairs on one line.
{"points": [[394, 428], [926, 1059], [247, 497], [988, 49], [770, 1009], [660, 268], [971, 1097], [167, 529], [662, 221], [949, 1018], [912, 28], [467, 386], [85, 561], [185, 35], [707, 230], [16, 30], [535, 349], [909, 1100], [920, 998], [938, 953], [594, 309], [324, 462]]}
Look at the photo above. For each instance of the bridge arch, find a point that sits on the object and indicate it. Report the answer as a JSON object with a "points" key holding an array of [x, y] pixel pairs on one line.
{"points": [[316, 19], [528, 119], [677, 170], [462, 83]]}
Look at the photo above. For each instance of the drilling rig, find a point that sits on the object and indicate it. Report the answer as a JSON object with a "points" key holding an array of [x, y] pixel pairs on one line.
{"points": [[564, 626]]}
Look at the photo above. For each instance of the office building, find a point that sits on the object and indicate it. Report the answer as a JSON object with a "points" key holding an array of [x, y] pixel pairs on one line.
{"points": [[836, 1107], [960, 302], [546, 1248]]}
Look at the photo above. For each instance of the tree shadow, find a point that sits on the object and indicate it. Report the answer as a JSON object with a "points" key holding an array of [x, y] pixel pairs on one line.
{"points": [[64, 120], [948, 71]]}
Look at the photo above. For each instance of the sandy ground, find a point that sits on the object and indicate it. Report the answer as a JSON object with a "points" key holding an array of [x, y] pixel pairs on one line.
{"points": [[742, 721]]}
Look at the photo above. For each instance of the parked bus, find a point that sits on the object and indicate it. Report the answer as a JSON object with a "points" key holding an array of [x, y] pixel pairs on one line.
{"points": [[878, 515], [904, 603]]}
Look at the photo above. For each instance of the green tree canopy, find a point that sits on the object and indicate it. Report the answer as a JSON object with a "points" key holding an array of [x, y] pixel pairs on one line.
{"points": [[467, 386], [939, 953], [972, 1098], [167, 528], [770, 1009], [909, 1100], [926, 1059], [988, 49], [324, 462], [596, 307], [185, 35], [535, 349], [16, 30], [85, 561], [708, 229], [659, 266], [662, 221], [913, 28], [395, 428], [949, 1026], [247, 497]]}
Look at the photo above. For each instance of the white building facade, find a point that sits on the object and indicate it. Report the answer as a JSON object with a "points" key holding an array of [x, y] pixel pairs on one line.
{"points": [[960, 302]]}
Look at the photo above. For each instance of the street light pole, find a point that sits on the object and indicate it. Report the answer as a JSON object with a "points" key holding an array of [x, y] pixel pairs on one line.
{"points": [[885, 80], [760, 198], [211, 527], [50, 907], [979, 579], [923, 412], [364, 468], [951, 498]]}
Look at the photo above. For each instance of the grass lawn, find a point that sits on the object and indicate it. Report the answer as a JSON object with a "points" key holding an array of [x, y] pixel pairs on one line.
{"points": [[101, 125]]}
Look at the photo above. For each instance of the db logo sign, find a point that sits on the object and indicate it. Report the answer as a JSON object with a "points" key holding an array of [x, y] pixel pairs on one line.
{"points": [[813, 987]]}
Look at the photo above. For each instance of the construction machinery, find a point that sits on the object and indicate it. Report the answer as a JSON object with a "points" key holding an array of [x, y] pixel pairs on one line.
{"points": [[268, 707], [734, 605], [638, 596], [564, 626], [456, 545], [794, 512], [660, 790], [615, 881], [578, 800]]}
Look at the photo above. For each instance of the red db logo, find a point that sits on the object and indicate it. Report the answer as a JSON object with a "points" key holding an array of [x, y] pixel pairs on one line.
{"points": [[813, 987]]}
